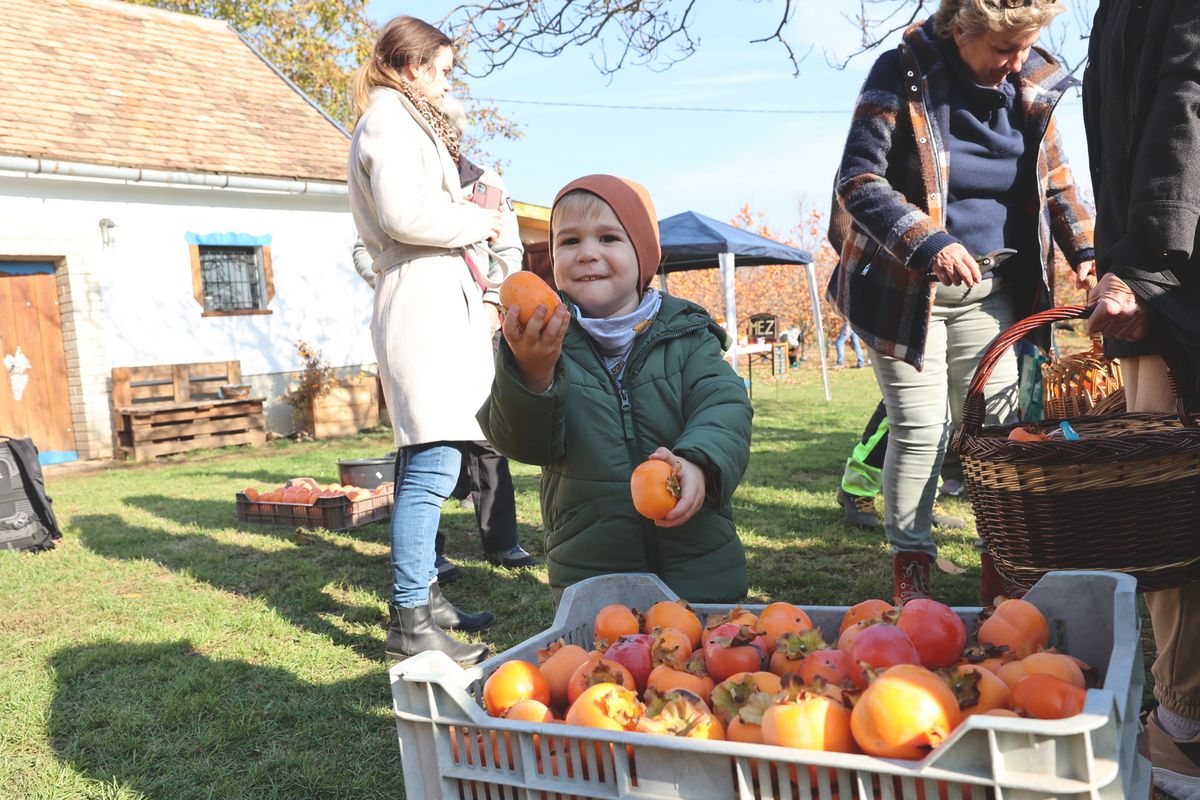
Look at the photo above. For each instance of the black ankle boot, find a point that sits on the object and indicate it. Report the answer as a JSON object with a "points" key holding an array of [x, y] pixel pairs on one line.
{"points": [[412, 631], [445, 615]]}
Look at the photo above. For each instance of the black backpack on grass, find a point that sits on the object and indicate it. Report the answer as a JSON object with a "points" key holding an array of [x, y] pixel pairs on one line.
{"points": [[26, 516]]}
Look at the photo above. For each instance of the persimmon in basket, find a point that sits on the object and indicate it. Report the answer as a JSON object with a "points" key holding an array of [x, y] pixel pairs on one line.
{"points": [[655, 489], [527, 291]]}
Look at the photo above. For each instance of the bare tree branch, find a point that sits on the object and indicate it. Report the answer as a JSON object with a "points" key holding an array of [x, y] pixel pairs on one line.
{"points": [[659, 33]]}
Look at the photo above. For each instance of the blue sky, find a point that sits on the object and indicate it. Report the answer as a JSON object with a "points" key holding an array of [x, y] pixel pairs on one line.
{"points": [[708, 162]]}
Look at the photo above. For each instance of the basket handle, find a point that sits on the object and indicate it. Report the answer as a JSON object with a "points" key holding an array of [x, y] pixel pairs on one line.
{"points": [[974, 406]]}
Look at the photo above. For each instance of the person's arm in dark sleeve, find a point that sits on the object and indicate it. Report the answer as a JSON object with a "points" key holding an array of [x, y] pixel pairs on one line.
{"points": [[523, 426]]}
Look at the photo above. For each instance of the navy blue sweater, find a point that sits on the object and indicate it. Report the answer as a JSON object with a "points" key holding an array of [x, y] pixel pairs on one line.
{"points": [[989, 166]]}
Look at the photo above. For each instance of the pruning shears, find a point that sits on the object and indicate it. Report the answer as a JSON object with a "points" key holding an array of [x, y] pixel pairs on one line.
{"points": [[987, 262]]}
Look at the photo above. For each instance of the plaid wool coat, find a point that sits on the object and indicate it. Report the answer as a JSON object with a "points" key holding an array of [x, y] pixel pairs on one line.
{"points": [[892, 185]]}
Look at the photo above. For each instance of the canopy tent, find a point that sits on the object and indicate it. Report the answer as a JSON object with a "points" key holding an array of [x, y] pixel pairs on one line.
{"points": [[694, 241]]}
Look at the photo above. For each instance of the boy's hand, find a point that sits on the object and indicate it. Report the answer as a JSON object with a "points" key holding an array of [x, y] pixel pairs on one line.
{"points": [[537, 345], [691, 488]]}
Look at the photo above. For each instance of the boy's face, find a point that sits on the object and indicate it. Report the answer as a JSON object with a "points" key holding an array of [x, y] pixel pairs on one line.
{"points": [[595, 263]]}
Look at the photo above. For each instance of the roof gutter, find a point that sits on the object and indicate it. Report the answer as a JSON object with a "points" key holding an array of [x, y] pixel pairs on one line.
{"points": [[209, 180]]}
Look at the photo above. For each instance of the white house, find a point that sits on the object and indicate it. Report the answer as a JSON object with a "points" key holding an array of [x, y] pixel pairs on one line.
{"points": [[166, 196]]}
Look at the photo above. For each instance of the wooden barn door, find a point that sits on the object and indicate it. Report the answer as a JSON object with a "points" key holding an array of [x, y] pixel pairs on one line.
{"points": [[33, 384]]}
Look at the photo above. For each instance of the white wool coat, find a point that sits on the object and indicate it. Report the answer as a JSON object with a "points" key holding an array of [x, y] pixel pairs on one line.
{"points": [[430, 325]]}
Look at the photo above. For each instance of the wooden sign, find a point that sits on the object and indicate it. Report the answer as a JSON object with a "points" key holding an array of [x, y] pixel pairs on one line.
{"points": [[762, 326]]}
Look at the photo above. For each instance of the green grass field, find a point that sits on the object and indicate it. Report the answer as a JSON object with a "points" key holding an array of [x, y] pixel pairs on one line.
{"points": [[165, 651]]}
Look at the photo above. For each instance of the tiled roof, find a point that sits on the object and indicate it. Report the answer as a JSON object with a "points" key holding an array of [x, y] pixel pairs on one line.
{"points": [[106, 82]]}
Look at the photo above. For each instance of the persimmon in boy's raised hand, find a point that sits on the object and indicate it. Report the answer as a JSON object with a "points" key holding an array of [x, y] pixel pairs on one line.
{"points": [[537, 345], [527, 291]]}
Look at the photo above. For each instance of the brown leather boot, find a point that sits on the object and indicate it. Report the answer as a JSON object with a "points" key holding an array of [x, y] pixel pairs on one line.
{"points": [[910, 576]]}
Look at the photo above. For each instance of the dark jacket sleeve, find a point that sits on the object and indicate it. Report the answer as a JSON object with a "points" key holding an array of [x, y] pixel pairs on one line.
{"points": [[523, 426], [717, 414], [1070, 220], [1164, 206], [862, 184]]}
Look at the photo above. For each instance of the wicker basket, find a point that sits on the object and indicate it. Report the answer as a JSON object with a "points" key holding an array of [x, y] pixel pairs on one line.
{"points": [[1124, 497], [1074, 385]]}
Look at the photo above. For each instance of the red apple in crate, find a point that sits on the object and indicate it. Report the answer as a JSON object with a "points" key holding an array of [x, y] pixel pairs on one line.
{"points": [[633, 652]]}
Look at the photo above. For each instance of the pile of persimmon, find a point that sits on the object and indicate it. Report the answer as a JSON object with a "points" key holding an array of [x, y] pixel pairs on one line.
{"points": [[895, 684], [306, 491]]}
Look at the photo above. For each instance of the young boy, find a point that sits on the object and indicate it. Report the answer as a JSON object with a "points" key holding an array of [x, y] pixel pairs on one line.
{"points": [[617, 374]]}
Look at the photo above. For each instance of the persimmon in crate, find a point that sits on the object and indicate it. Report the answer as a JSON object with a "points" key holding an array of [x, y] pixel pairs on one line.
{"points": [[305, 502]]}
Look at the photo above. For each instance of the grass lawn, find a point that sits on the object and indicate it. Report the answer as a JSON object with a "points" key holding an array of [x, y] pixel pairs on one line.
{"points": [[165, 651]]}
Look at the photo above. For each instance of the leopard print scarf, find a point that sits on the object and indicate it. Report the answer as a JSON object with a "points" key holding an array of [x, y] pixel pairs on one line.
{"points": [[436, 119]]}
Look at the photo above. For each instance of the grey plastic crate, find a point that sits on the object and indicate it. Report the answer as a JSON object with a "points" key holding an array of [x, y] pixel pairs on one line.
{"points": [[451, 748]]}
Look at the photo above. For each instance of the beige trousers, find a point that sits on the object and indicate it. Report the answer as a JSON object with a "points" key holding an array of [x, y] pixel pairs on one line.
{"points": [[1174, 613]]}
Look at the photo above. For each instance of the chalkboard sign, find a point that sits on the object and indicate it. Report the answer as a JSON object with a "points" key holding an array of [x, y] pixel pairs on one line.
{"points": [[762, 326], [779, 359]]}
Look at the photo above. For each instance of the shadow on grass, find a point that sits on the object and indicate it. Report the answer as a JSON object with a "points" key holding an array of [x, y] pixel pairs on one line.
{"points": [[296, 581], [165, 720], [293, 581]]}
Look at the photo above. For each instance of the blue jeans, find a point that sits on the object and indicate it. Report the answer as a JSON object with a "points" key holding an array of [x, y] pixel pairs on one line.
{"points": [[425, 477], [840, 344]]}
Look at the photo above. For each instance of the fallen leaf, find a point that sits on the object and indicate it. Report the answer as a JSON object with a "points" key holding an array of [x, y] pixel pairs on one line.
{"points": [[949, 567]]}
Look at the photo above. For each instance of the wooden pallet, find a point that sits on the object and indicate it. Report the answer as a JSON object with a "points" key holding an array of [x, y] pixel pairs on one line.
{"points": [[174, 408]]}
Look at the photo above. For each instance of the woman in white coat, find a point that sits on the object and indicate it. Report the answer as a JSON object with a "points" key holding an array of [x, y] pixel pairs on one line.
{"points": [[430, 325]]}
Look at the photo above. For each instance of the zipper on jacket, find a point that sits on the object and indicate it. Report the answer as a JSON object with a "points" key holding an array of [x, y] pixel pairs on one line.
{"points": [[639, 360], [632, 441]]}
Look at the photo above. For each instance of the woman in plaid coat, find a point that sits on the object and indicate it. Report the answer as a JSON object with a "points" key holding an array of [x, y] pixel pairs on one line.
{"points": [[953, 153]]}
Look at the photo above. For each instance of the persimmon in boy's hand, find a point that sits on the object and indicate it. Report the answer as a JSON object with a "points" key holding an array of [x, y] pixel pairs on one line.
{"points": [[536, 345], [691, 488]]}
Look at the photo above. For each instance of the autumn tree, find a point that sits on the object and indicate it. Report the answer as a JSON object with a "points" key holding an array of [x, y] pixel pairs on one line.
{"points": [[781, 290]]}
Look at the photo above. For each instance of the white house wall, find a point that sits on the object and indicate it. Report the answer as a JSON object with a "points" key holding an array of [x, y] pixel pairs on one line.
{"points": [[132, 303]]}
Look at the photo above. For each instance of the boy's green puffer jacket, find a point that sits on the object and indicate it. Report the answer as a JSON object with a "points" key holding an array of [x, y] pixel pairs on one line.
{"points": [[588, 435]]}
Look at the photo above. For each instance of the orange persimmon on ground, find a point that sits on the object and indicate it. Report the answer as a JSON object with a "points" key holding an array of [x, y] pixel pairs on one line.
{"points": [[527, 291], [655, 489]]}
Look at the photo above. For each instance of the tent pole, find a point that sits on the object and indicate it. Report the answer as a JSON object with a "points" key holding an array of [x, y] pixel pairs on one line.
{"points": [[816, 304], [662, 282], [725, 261]]}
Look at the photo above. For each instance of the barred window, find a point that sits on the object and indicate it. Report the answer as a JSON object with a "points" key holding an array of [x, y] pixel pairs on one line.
{"points": [[232, 278], [231, 273]]}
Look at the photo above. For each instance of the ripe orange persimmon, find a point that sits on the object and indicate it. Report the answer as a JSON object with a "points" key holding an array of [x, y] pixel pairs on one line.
{"points": [[1046, 696], [905, 713], [558, 663], [680, 715], [673, 614], [606, 706], [835, 667], [671, 646], [980, 689], [778, 619], [598, 670], [810, 722], [527, 291], [612, 622], [693, 678], [737, 615], [731, 694], [1017, 625], [1055, 664], [1022, 433], [512, 682], [866, 610], [655, 488]]}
